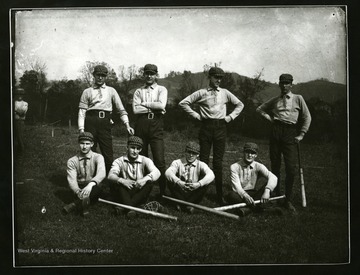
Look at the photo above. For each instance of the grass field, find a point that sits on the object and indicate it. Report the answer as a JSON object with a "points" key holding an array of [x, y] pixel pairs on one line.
{"points": [[318, 234]]}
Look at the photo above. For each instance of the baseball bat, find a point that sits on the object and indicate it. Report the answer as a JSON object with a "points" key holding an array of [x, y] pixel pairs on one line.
{"points": [[302, 183], [243, 204], [156, 214], [207, 209]]}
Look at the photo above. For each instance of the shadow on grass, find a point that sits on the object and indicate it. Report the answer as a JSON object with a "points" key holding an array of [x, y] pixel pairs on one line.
{"points": [[65, 195], [59, 180]]}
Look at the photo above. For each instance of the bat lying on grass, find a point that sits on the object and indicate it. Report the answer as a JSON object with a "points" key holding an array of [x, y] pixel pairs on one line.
{"points": [[140, 210], [201, 207], [243, 204]]}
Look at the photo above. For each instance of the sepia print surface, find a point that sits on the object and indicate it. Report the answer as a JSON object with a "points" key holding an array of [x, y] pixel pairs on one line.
{"points": [[53, 54]]}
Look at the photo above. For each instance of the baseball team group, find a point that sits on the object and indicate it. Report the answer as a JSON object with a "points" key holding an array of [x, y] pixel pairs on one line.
{"points": [[132, 176]]}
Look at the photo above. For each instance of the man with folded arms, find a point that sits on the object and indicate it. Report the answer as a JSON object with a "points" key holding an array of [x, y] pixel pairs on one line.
{"points": [[149, 104]]}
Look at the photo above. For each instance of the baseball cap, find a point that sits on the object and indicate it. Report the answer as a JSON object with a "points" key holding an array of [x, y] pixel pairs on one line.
{"points": [[193, 147], [250, 146], [286, 78], [100, 69], [216, 71], [151, 68], [86, 136], [134, 140]]}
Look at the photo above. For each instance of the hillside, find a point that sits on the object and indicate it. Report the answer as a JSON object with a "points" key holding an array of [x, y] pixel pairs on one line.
{"points": [[327, 91]]}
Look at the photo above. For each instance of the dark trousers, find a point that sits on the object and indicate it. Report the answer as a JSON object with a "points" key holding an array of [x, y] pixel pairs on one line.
{"points": [[95, 193], [213, 134], [194, 196], [19, 126], [133, 197], [151, 131], [282, 144], [101, 130], [255, 193]]}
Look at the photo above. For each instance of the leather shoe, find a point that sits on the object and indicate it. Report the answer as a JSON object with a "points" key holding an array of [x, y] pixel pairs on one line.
{"points": [[69, 208], [244, 211]]}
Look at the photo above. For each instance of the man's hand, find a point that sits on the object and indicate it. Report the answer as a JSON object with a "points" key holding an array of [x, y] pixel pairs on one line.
{"points": [[85, 192], [130, 130], [129, 184], [299, 137], [248, 199], [140, 183], [181, 184], [190, 186], [81, 131], [265, 196], [228, 119]]}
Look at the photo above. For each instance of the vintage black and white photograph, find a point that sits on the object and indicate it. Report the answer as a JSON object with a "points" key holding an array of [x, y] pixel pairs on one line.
{"points": [[177, 136]]}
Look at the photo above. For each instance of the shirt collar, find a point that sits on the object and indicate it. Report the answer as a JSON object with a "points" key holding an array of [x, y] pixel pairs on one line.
{"points": [[97, 87], [213, 89], [245, 165], [152, 86], [87, 156], [288, 95], [184, 162], [137, 160]]}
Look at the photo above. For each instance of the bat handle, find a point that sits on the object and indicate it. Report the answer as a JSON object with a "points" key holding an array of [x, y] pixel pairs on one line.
{"points": [[303, 196]]}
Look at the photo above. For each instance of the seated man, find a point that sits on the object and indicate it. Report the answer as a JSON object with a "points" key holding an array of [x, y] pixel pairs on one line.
{"points": [[132, 176], [85, 172], [250, 180], [188, 177]]}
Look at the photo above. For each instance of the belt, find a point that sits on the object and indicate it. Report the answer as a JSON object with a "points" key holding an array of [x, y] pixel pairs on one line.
{"points": [[213, 121], [98, 113], [284, 124], [151, 115]]}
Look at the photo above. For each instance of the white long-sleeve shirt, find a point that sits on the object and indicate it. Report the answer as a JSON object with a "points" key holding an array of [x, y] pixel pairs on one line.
{"points": [[198, 171], [244, 176]]}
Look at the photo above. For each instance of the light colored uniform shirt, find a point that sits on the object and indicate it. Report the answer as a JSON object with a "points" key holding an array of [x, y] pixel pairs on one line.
{"points": [[20, 109], [79, 172], [212, 103], [136, 170], [197, 171], [154, 98], [289, 109], [102, 98], [244, 176]]}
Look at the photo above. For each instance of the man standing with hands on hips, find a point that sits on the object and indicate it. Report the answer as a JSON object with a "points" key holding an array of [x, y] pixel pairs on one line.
{"points": [[290, 119], [212, 102], [95, 108], [149, 104]]}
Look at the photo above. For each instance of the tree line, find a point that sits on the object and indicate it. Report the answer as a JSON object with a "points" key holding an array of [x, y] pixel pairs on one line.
{"points": [[58, 100]]}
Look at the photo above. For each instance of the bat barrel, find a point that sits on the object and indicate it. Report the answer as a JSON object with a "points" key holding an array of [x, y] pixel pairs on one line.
{"points": [[156, 214], [204, 208], [238, 205]]}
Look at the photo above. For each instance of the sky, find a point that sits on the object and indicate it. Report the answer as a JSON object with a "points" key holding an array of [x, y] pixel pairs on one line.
{"points": [[307, 42]]}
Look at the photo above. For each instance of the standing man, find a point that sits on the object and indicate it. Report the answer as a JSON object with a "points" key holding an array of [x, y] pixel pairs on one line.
{"points": [[290, 119], [20, 109], [95, 108], [149, 104], [132, 175], [188, 178], [250, 180], [85, 172], [212, 102]]}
